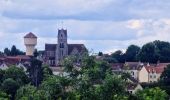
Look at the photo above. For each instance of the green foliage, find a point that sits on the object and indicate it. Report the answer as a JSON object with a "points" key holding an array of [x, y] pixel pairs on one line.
{"points": [[165, 79], [132, 52], [93, 80], [13, 52], [52, 87], [119, 56], [29, 92], [3, 96], [149, 53], [100, 54], [36, 72], [46, 71], [152, 94], [10, 86], [36, 53], [165, 76], [2, 72], [16, 74]]}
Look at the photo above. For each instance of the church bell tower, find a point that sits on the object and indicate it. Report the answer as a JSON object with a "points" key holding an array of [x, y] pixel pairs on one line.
{"points": [[62, 46]]}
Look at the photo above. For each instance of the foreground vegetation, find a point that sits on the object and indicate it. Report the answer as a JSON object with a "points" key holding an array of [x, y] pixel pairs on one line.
{"points": [[90, 80]]}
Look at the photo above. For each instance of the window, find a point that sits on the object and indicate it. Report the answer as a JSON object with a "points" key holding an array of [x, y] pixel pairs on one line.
{"points": [[154, 76], [150, 76], [61, 45], [132, 73]]}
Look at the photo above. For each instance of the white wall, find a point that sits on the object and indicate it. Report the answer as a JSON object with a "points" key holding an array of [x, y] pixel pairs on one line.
{"points": [[143, 75]]}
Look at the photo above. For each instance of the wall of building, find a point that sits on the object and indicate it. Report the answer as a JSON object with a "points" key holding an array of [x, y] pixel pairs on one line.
{"points": [[143, 75]]}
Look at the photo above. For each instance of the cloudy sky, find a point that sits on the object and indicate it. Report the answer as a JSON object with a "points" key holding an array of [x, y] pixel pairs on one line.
{"points": [[102, 25]]}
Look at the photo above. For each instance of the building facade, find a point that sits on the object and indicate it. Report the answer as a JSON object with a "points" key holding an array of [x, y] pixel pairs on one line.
{"points": [[55, 53]]}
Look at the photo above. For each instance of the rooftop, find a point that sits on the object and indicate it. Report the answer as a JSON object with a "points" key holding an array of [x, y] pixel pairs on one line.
{"points": [[30, 35]]}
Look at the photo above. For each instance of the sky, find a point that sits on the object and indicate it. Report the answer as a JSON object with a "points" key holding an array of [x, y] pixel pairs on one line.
{"points": [[102, 25]]}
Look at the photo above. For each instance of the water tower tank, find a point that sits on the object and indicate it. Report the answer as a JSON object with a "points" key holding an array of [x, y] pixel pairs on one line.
{"points": [[30, 41]]}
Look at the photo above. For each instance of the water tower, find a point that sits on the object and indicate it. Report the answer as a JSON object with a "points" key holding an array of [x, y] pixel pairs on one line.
{"points": [[30, 41]]}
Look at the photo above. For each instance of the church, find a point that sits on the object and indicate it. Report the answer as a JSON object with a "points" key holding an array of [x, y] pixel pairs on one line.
{"points": [[55, 53]]}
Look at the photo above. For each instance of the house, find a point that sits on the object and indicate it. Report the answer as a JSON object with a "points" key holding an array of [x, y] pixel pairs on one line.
{"points": [[149, 74], [133, 68], [3, 66], [133, 88], [18, 61]]}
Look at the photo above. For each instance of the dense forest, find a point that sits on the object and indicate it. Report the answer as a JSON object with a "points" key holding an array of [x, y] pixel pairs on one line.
{"points": [[152, 52]]}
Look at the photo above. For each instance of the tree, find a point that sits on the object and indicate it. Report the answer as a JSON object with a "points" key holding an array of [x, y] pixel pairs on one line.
{"points": [[119, 56], [47, 71], [14, 51], [3, 96], [152, 94], [36, 72], [2, 72], [36, 53], [10, 86], [149, 53], [7, 51], [165, 79], [53, 88], [163, 50], [93, 80], [131, 53], [100, 54], [1, 53], [30, 92], [16, 74]]}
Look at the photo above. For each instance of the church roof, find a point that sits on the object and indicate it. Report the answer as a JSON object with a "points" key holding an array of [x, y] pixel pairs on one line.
{"points": [[50, 47], [30, 35], [79, 47], [71, 47]]}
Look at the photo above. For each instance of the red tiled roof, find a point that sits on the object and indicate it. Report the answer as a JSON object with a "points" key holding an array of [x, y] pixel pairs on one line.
{"points": [[30, 35], [13, 60], [152, 69]]}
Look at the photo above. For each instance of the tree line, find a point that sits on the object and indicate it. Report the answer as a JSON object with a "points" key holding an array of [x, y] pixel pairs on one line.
{"points": [[152, 52], [12, 52]]}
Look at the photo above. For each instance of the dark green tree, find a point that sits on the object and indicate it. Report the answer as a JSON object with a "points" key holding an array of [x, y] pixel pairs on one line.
{"points": [[7, 52], [119, 56], [163, 50], [2, 72], [47, 71], [100, 54], [36, 53], [131, 53], [53, 88], [165, 79], [29, 92], [10, 86], [16, 74], [4, 96], [36, 72], [152, 94], [149, 53], [14, 51]]}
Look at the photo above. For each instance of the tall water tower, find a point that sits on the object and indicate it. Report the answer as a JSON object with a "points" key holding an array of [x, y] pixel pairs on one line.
{"points": [[30, 41]]}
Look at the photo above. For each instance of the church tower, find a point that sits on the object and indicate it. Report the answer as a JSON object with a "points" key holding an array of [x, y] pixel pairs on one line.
{"points": [[62, 46]]}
